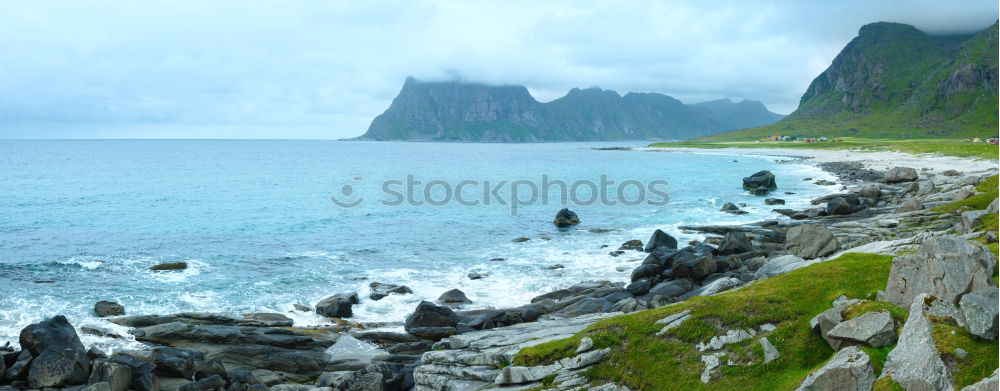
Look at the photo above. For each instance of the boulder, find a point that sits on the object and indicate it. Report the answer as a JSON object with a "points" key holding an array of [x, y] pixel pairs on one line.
{"points": [[53, 332], [566, 218], [213, 382], [980, 312], [660, 239], [429, 316], [108, 308], [945, 267], [781, 265], [811, 241], [453, 297], [842, 206], [991, 383], [672, 288], [337, 306], [915, 363], [729, 207], [381, 290], [639, 287], [59, 367], [872, 192], [585, 306], [849, 370], [18, 370], [646, 271], [763, 179], [875, 329], [910, 206], [826, 321], [774, 201], [695, 267], [950, 173], [169, 266], [174, 362], [900, 174], [734, 242]]}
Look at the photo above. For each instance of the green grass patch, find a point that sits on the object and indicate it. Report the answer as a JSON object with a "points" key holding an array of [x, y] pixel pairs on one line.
{"points": [[887, 384], [949, 147], [642, 360], [986, 192], [983, 356]]}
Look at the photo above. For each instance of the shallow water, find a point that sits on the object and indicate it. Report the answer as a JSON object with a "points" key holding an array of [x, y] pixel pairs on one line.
{"points": [[82, 221]]}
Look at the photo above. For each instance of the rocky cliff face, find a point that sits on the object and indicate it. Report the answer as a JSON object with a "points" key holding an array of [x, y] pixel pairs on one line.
{"points": [[450, 111], [893, 79]]}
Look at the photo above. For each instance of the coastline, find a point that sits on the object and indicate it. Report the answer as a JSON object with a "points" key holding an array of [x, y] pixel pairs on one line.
{"points": [[424, 351]]}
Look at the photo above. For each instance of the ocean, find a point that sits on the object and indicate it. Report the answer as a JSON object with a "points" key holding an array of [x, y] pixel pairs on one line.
{"points": [[84, 220]]}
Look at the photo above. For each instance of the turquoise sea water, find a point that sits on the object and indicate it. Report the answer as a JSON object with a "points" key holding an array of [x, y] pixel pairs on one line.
{"points": [[82, 221]]}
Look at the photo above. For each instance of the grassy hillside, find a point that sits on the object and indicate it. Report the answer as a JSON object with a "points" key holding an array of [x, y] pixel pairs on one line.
{"points": [[644, 361], [893, 81]]}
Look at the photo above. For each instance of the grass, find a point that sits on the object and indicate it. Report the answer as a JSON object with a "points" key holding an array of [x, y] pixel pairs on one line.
{"points": [[949, 147], [987, 191], [641, 360], [982, 356]]}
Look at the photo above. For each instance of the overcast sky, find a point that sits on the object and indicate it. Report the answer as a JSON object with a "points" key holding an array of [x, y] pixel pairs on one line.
{"points": [[324, 69]]}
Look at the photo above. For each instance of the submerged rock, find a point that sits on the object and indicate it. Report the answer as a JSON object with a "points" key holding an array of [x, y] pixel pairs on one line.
{"points": [[453, 297], [381, 290], [760, 183], [108, 308], [170, 266], [338, 306]]}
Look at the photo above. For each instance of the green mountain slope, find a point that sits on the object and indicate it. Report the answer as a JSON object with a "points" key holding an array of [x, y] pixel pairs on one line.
{"points": [[893, 80], [451, 111]]}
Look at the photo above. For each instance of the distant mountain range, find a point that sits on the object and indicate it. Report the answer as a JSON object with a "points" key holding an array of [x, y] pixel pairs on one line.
{"points": [[455, 111], [893, 80]]}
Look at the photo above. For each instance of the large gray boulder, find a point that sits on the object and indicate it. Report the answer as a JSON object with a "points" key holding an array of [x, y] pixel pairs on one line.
{"points": [[695, 268], [660, 239], [337, 306], [58, 367], [946, 267], [915, 363], [849, 370], [54, 332], [900, 174], [428, 320], [980, 312], [991, 383], [735, 242], [760, 183], [875, 329], [672, 288], [811, 241], [910, 206], [781, 265], [825, 322], [118, 376]]}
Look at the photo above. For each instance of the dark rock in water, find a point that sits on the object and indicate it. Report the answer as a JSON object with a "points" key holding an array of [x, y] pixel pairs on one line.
{"points": [[477, 276], [900, 174], [498, 259], [338, 306], [554, 267], [634, 244], [638, 288], [734, 243], [774, 201], [565, 218], [380, 290], [57, 367], [170, 266], [521, 239], [729, 207], [108, 308], [453, 297], [672, 288], [695, 268], [760, 183], [824, 182], [660, 239], [432, 321], [616, 253]]}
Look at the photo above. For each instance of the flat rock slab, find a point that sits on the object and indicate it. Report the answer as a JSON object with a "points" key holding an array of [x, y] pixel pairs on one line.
{"points": [[875, 329]]}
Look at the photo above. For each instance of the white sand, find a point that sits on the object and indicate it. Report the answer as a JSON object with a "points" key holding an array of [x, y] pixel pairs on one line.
{"points": [[879, 160]]}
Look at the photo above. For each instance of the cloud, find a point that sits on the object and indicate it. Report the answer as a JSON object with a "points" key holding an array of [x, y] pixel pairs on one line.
{"points": [[324, 69]]}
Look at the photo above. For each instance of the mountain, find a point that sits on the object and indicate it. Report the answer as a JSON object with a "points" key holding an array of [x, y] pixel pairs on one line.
{"points": [[893, 80], [454, 111]]}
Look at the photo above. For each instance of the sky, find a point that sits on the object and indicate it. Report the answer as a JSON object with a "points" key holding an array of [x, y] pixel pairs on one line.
{"points": [[323, 69]]}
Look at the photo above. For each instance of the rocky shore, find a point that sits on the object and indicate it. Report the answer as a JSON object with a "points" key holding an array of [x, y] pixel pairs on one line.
{"points": [[443, 347]]}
